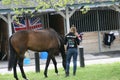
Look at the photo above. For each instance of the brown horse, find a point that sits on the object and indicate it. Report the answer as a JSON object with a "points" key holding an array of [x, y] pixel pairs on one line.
{"points": [[43, 40]]}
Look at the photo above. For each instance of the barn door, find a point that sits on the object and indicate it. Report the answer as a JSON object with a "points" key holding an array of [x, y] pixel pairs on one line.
{"points": [[3, 39]]}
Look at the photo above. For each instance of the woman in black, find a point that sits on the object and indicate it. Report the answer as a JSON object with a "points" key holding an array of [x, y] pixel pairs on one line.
{"points": [[71, 43]]}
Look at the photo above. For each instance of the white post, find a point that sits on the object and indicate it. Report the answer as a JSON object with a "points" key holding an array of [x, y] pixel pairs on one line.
{"points": [[99, 39], [67, 20], [9, 25]]}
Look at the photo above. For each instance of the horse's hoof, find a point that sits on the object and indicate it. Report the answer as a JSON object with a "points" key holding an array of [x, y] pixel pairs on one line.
{"points": [[26, 79], [46, 76], [57, 74]]}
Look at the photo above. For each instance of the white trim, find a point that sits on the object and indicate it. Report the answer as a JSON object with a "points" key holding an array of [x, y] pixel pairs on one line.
{"points": [[117, 8], [4, 18], [9, 24]]}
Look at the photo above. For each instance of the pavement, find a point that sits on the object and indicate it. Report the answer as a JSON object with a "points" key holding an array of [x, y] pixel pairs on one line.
{"points": [[89, 59]]}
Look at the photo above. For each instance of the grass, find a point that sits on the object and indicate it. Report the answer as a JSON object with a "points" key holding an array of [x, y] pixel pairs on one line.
{"points": [[89, 72]]}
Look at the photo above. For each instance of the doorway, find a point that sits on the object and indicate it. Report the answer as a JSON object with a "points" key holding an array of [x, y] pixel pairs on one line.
{"points": [[56, 22], [3, 40]]}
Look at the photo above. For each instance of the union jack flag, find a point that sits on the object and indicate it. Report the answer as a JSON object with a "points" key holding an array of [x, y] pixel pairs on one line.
{"points": [[33, 23]]}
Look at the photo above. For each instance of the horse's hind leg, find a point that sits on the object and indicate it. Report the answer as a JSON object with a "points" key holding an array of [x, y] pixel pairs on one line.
{"points": [[14, 69], [20, 63], [55, 64]]}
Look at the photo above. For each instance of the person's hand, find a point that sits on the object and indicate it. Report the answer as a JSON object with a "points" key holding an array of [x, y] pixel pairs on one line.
{"points": [[76, 34]]}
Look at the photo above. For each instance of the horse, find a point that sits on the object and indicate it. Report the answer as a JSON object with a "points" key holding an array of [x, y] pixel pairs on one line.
{"points": [[44, 40]]}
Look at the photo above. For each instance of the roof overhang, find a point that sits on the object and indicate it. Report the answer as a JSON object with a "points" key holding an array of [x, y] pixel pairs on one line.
{"points": [[96, 4]]}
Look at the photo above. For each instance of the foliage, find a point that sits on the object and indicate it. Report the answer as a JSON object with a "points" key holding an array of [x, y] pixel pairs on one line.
{"points": [[18, 6], [21, 7]]}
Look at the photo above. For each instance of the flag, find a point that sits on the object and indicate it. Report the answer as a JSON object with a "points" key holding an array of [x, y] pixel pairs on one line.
{"points": [[33, 23]]}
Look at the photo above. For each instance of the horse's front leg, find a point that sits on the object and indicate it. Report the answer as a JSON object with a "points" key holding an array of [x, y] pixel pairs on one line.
{"points": [[47, 64], [55, 64], [20, 63]]}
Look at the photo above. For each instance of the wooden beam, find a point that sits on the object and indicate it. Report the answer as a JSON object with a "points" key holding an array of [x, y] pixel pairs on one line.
{"points": [[4, 18], [117, 8]]}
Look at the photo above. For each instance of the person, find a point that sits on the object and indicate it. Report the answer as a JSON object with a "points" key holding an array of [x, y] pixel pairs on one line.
{"points": [[80, 36], [71, 43]]}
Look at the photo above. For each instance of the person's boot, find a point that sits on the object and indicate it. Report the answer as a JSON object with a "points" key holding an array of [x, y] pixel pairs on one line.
{"points": [[74, 73], [67, 74]]}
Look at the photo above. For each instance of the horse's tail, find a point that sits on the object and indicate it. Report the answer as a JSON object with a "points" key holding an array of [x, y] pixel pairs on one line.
{"points": [[11, 56]]}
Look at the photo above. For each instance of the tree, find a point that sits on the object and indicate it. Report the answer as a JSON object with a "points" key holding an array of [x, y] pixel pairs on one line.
{"points": [[20, 6]]}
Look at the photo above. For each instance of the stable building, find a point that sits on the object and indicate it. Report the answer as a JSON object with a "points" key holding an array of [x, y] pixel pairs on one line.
{"points": [[101, 18]]}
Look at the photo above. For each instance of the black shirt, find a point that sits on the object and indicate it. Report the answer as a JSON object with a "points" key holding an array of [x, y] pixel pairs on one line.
{"points": [[71, 40]]}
